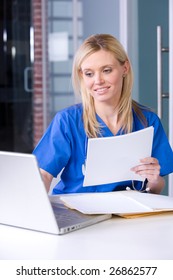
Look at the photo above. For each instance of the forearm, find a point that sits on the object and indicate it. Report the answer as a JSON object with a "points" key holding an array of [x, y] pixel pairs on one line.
{"points": [[47, 179]]}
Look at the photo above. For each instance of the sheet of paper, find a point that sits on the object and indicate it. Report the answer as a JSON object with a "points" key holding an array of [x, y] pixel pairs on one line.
{"points": [[121, 202], [104, 203], [153, 201], [109, 159]]}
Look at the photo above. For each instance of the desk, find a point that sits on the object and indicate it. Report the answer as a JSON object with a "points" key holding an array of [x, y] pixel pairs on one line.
{"points": [[117, 239]]}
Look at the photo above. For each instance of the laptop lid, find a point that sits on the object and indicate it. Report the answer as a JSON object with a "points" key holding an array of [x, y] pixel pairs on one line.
{"points": [[23, 198], [24, 201]]}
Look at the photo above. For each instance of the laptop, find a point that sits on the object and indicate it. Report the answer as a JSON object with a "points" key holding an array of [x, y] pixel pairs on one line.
{"points": [[24, 202]]}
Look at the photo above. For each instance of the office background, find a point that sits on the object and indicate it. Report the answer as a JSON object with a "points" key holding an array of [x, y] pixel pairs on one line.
{"points": [[38, 39]]}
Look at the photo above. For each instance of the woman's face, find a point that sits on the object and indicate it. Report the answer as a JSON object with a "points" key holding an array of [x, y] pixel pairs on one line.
{"points": [[103, 76]]}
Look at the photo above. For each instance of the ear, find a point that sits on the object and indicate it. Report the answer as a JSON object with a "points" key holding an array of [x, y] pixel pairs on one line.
{"points": [[80, 73], [126, 67]]}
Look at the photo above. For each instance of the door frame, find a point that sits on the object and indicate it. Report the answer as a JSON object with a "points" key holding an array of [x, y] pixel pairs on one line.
{"points": [[128, 11]]}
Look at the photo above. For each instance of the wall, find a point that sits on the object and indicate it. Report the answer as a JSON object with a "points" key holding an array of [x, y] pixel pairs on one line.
{"points": [[40, 85], [100, 16]]}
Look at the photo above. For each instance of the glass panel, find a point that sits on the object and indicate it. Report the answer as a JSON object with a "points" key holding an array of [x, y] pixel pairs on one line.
{"points": [[62, 67], [62, 85], [60, 21], [15, 95], [62, 9]]}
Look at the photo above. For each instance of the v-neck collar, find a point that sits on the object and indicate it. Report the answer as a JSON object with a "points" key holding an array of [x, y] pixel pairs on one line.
{"points": [[106, 132]]}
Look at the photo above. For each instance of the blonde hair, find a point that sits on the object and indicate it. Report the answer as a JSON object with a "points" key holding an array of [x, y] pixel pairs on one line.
{"points": [[91, 45]]}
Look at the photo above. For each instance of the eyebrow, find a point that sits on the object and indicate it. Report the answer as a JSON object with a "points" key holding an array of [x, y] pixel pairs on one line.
{"points": [[102, 67]]}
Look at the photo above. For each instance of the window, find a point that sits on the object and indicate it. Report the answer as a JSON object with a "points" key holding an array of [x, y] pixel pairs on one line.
{"points": [[65, 33]]}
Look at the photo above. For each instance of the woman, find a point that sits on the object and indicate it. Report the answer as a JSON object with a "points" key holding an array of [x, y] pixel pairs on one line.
{"points": [[102, 74]]}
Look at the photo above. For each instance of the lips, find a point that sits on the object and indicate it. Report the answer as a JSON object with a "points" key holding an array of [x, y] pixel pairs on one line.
{"points": [[101, 90]]}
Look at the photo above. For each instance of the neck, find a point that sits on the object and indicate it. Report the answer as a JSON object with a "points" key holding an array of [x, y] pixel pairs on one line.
{"points": [[109, 114], [106, 110]]}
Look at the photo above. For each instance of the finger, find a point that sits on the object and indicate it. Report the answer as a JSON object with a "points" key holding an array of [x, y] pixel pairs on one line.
{"points": [[149, 163], [148, 172], [149, 160], [145, 167]]}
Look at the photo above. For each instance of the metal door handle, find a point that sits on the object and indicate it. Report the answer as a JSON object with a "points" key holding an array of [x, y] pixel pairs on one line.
{"points": [[26, 74]]}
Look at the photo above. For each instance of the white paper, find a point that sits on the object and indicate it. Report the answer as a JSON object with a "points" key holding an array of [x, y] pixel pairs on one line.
{"points": [[121, 202], [104, 203], [109, 159]]}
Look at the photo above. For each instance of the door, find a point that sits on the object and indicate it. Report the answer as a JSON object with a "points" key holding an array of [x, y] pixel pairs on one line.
{"points": [[138, 32], [151, 14], [15, 76], [153, 23]]}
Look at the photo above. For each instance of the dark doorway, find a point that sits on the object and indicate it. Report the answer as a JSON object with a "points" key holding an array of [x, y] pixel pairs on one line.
{"points": [[15, 76]]}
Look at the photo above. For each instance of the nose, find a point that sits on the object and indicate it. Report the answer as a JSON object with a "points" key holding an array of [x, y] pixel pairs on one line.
{"points": [[99, 78]]}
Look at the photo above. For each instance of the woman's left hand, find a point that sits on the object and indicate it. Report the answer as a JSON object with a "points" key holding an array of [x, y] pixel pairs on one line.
{"points": [[148, 169]]}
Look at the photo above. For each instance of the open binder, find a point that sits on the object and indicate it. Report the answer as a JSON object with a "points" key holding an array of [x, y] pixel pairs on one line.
{"points": [[123, 203]]}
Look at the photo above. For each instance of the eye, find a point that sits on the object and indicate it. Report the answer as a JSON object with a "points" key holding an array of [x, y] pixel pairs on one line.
{"points": [[88, 74], [107, 70]]}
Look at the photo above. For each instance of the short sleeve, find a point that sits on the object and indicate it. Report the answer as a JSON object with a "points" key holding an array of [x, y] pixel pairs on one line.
{"points": [[53, 150], [161, 148]]}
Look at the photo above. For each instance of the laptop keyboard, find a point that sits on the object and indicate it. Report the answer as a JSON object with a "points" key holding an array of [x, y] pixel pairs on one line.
{"points": [[67, 217]]}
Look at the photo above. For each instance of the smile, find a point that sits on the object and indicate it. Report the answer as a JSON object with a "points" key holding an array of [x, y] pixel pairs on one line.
{"points": [[101, 90]]}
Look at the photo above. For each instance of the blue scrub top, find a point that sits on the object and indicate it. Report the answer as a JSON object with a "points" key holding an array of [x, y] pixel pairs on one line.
{"points": [[63, 147]]}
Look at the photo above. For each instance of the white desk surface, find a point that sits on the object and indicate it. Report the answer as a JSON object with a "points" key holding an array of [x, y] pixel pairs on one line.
{"points": [[115, 239]]}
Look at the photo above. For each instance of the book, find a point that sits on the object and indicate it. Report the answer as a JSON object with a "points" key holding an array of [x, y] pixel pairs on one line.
{"points": [[123, 203]]}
